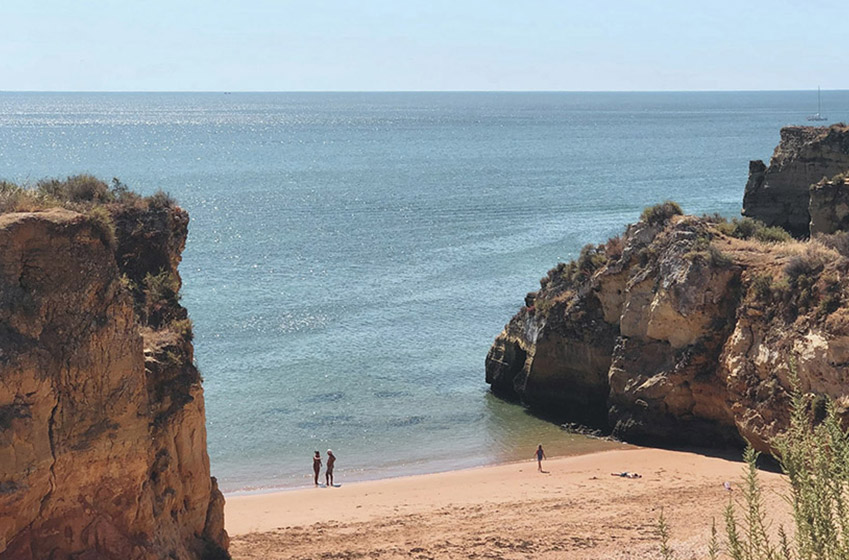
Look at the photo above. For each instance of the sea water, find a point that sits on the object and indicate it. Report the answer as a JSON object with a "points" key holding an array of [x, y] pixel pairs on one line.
{"points": [[352, 256]]}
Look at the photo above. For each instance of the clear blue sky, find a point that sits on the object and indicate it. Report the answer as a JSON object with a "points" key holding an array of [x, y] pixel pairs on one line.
{"points": [[377, 45]]}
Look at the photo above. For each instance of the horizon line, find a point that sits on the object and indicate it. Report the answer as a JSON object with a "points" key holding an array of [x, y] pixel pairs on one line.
{"points": [[424, 91]]}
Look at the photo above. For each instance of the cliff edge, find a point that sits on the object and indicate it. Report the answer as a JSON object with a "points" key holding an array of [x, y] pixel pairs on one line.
{"points": [[102, 424], [681, 331], [778, 195]]}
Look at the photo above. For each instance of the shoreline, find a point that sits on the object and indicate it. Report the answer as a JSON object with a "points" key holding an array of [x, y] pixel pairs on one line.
{"points": [[604, 445], [574, 510]]}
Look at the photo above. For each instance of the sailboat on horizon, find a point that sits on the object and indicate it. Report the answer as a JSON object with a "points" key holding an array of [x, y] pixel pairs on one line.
{"points": [[818, 116]]}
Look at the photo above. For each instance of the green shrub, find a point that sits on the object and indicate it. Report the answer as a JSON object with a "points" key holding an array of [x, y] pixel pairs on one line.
{"points": [[772, 234], [838, 241], [161, 299], [659, 214], [123, 195], [103, 224], [748, 228], [761, 287], [814, 455], [715, 218], [717, 258], [79, 193], [77, 188], [829, 304], [592, 258], [663, 537], [161, 199], [184, 328], [128, 284], [161, 288], [803, 265], [566, 275], [614, 247], [702, 251], [10, 197]]}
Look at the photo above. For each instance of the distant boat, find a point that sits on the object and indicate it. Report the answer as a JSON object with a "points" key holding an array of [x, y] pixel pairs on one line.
{"points": [[818, 116]]}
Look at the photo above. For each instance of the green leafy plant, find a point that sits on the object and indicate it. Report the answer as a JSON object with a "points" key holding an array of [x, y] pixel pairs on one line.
{"points": [[161, 298], [749, 228], [184, 328], [161, 288], [761, 287], [814, 455], [161, 199], [659, 214], [77, 188], [102, 222]]}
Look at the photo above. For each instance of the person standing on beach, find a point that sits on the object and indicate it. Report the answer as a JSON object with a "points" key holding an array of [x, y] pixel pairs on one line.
{"points": [[328, 474], [316, 465], [540, 455]]}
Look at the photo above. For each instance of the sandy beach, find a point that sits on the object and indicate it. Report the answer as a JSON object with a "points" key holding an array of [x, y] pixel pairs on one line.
{"points": [[574, 510]]}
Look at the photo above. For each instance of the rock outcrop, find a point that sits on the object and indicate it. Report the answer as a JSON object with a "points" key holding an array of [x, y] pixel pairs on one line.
{"points": [[778, 195], [681, 332], [829, 205], [103, 451]]}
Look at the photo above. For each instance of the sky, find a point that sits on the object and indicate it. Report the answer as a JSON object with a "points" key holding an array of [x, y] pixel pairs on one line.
{"points": [[422, 45]]}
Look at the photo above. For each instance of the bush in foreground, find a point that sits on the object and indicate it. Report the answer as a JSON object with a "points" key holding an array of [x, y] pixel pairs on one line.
{"points": [[815, 458]]}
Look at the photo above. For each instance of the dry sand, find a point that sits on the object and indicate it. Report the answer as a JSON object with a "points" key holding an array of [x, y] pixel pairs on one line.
{"points": [[576, 510]]}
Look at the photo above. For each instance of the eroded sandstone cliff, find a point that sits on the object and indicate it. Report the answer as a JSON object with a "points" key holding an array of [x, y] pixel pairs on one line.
{"points": [[778, 194], [103, 451], [682, 331], [829, 205]]}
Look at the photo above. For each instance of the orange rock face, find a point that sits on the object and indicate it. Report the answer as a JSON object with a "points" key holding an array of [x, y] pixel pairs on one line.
{"points": [[683, 334], [102, 429], [778, 194]]}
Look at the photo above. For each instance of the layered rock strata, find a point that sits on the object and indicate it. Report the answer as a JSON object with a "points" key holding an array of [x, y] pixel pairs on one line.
{"points": [[779, 194], [103, 451], [680, 333], [829, 205]]}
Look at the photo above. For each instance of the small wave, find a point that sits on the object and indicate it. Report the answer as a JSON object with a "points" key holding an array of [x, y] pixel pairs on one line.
{"points": [[391, 394], [325, 397], [409, 421], [325, 421]]}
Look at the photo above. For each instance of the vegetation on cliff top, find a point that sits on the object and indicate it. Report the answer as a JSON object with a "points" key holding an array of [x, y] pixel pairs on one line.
{"points": [[804, 280], [80, 193], [156, 293], [790, 279], [749, 228], [659, 214]]}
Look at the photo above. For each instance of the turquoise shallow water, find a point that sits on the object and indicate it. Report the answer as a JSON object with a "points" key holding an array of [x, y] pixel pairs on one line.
{"points": [[352, 256]]}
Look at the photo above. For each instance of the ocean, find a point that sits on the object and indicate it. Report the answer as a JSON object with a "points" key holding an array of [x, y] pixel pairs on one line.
{"points": [[352, 256]]}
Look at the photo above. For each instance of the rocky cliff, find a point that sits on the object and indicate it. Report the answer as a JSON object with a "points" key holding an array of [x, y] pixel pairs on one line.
{"points": [[778, 194], [681, 331], [828, 205], [103, 450]]}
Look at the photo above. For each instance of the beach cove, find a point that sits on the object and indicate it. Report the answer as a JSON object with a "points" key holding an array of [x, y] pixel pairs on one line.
{"points": [[351, 257], [575, 510]]}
